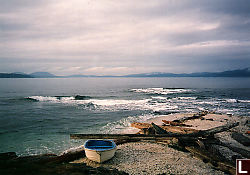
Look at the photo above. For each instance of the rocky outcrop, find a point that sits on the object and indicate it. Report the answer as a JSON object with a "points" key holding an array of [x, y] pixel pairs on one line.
{"points": [[11, 164]]}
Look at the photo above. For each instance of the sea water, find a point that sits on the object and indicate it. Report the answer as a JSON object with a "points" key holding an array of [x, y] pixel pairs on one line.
{"points": [[38, 115]]}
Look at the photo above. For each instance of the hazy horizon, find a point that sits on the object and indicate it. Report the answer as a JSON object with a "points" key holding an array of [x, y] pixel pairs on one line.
{"points": [[149, 73], [124, 37]]}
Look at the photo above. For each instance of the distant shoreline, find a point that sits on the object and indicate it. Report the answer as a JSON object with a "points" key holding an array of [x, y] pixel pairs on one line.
{"points": [[115, 77], [233, 73]]}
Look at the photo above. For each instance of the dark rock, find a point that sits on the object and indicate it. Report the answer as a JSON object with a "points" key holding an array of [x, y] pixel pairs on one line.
{"points": [[71, 155], [234, 157], [48, 164], [8, 156], [31, 168], [148, 131], [42, 165], [164, 112], [43, 158], [81, 97], [244, 140]]}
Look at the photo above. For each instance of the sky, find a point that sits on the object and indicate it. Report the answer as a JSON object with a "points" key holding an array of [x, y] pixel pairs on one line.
{"points": [[116, 37]]}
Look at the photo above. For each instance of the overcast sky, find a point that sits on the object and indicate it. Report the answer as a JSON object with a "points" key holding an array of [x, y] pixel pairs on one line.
{"points": [[111, 37]]}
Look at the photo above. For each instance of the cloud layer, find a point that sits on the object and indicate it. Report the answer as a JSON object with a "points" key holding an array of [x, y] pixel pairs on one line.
{"points": [[121, 37]]}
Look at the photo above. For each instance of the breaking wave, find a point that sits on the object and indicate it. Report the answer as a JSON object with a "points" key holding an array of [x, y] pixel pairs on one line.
{"points": [[162, 91], [237, 101], [244, 101], [156, 104], [57, 98], [231, 100], [86, 99], [123, 125], [161, 101], [50, 98]]}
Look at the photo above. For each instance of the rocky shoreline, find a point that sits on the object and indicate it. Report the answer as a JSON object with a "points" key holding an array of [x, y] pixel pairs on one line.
{"points": [[151, 157], [49, 164], [183, 156]]}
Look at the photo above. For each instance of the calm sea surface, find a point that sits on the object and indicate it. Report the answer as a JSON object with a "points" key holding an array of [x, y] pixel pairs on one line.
{"points": [[37, 115]]}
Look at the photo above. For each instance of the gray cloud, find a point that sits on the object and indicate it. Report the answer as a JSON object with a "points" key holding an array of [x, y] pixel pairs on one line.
{"points": [[120, 37], [16, 5]]}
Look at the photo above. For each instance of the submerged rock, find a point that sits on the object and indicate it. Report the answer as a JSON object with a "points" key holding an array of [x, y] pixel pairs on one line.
{"points": [[81, 97]]}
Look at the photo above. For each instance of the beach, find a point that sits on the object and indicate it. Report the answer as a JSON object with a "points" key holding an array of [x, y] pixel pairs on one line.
{"points": [[148, 157], [153, 158]]}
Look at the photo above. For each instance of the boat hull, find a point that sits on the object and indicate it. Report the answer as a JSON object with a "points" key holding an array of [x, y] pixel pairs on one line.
{"points": [[99, 150], [100, 156]]}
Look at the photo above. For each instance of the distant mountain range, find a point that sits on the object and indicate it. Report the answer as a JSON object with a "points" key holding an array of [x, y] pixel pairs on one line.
{"points": [[14, 75], [42, 75], [23, 75], [233, 73]]}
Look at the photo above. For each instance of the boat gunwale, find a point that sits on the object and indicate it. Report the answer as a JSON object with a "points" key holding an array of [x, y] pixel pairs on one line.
{"points": [[114, 146]]}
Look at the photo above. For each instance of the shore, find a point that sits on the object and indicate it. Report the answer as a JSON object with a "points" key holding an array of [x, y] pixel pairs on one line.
{"points": [[153, 158], [160, 158], [210, 120], [147, 157]]}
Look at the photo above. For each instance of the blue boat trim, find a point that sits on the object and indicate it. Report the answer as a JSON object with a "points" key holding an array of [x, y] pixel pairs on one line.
{"points": [[100, 145]]}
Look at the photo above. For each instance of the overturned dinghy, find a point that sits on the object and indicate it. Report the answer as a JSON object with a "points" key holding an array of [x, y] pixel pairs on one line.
{"points": [[100, 150]]}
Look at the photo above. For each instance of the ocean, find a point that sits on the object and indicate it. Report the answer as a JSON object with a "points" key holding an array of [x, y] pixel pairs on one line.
{"points": [[38, 115]]}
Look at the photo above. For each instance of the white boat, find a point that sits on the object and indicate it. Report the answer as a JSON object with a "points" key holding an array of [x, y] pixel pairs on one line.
{"points": [[100, 150]]}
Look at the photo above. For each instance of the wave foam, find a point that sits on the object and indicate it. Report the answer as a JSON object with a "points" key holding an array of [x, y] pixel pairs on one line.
{"points": [[104, 104], [124, 125], [155, 104], [231, 100], [187, 98], [159, 97], [113, 102], [161, 91], [244, 101], [50, 98]]}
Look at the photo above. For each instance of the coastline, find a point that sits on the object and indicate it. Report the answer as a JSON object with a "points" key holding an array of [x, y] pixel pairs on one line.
{"points": [[147, 157], [144, 157]]}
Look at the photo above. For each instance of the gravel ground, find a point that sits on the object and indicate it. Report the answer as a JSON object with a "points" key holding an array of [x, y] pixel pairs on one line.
{"points": [[152, 158], [155, 158]]}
